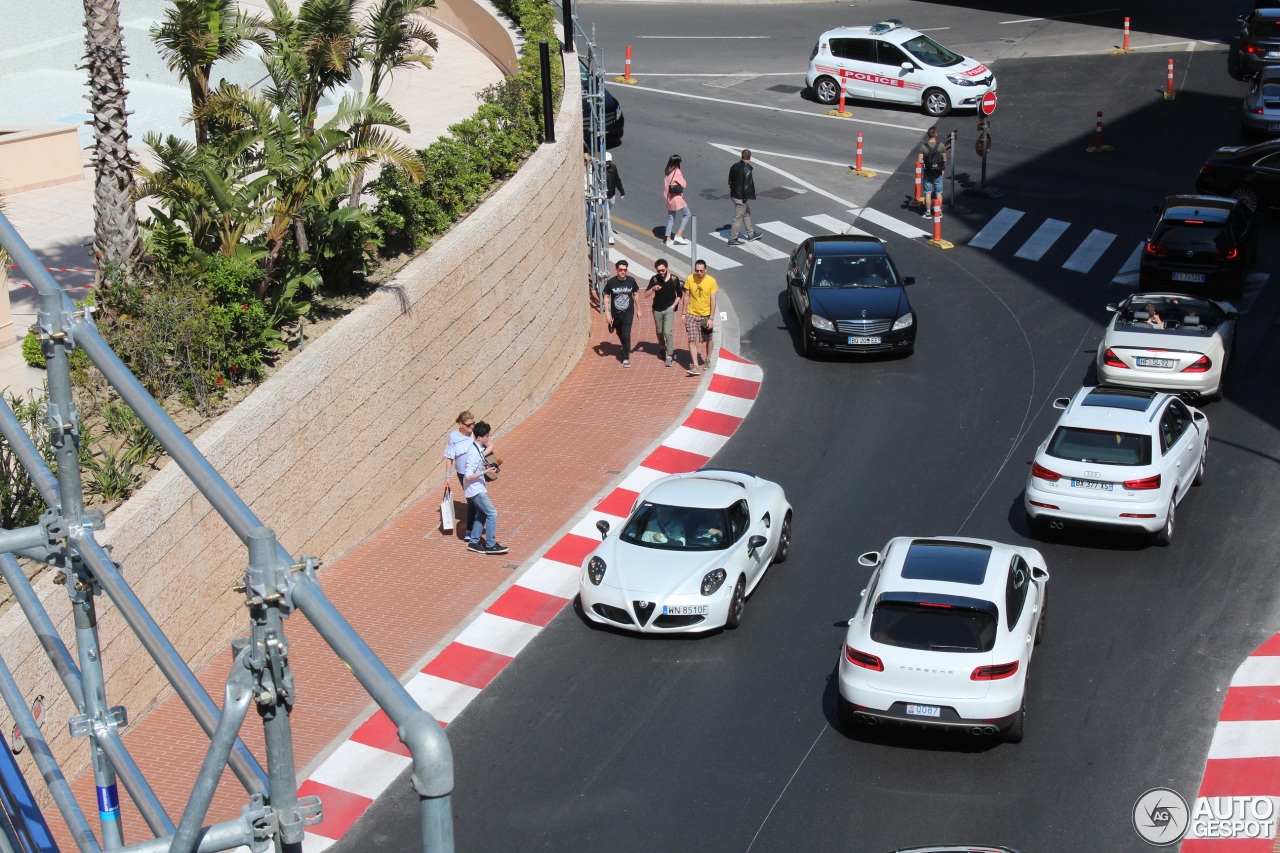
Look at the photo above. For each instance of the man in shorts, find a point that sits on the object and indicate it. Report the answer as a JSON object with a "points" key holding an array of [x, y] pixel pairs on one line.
{"points": [[932, 158], [699, 320]]}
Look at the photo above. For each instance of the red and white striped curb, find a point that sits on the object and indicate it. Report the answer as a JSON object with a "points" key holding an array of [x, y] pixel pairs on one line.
{"points": [[1244, 756], [362, 767]]}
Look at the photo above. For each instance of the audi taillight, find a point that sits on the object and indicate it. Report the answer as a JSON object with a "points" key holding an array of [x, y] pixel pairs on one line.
{"points": [[862, 659], [1200, 365], [994, 673], [1153, 249], [1038, 470], [1229, 255], [1110, 359], [1152, 482]]}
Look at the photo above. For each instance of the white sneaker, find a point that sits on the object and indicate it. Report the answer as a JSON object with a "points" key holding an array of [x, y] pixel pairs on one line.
{"points": [[610, 239], [680, 241]]}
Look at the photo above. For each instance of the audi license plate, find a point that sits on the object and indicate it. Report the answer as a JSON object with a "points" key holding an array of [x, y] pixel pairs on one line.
{"points": [[1092, 484], [853, 341], [1189, 276], [924, 710], [684, 610], [1156, 362]]}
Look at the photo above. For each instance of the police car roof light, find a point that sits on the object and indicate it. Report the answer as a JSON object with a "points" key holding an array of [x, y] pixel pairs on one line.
{"points": [[886, 26]]}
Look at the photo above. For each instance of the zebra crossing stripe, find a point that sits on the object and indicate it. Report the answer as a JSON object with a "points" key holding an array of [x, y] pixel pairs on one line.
{"points": [[886, 221], [755, 247], [1088, 252], [785, 231], [1041, 241], [715, 260], [835, 226], [1129, 272], [994, 230]]}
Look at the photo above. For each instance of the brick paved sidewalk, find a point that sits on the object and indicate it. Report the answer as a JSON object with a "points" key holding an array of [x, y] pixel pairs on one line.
{"points": [[409, 587]]}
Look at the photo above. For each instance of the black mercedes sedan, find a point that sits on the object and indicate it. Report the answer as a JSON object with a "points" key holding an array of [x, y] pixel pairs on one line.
{"points": [[1250, 173], [848, 297]]}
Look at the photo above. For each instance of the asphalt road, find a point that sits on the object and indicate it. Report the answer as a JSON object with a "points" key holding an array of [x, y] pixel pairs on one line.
{"points": [[595, 740]]}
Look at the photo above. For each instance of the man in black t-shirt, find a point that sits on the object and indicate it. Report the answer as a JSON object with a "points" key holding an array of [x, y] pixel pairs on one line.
{"points": [[665, 290], [621, 291]]}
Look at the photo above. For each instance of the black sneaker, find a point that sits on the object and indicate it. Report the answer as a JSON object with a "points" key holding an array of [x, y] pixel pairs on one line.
{"points": [[755, 235], [496, 548], [735, 242], [478, 547]]}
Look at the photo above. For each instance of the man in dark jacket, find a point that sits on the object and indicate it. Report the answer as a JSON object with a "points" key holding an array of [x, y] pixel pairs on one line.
{"points": [[742, 189], [613, 190]]}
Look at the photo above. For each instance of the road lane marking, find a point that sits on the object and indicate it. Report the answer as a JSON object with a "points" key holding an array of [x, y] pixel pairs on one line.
{"points": [[751, 247], [1129, 272], [1062, 17], [835, 226], [1088, 252], [703, 37], [771, 108], [785, 231], [757, 163], [1041, 241], [714, 259], [884, 220], [995, 230]]}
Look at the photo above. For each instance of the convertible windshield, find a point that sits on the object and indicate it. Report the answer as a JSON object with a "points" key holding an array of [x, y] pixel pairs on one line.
{"points": [[1171, 313], [930, 52], [853, 271], [677, 528]]}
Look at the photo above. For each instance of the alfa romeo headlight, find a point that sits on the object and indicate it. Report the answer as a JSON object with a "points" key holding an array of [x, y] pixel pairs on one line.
{"points": [[822, 323], [904, 321], [713, 580], [595, 570]]}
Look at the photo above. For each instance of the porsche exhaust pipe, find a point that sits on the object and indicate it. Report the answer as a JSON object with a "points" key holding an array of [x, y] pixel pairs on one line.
{"points": [[1056, 525]]}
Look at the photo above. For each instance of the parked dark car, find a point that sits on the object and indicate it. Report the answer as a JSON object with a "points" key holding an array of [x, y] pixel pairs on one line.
{"points": [[1259, 41], [613, 121], [1260, 110], [849, 298], [1200, 243], [1249, 173]]}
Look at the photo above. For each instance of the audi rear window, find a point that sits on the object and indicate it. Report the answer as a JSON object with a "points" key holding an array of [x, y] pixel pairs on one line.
{"points": [[1105, 447], [933, 627]]}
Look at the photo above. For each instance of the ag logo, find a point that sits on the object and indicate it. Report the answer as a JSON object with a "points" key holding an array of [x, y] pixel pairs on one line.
{"points": [[1160, 817]]}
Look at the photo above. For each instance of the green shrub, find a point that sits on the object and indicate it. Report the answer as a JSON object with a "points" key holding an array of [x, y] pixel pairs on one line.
{"points": [[20, 501], [31, 351]]}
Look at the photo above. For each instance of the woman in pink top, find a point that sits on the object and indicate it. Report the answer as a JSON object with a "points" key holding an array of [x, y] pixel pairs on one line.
{"points": [[676, 203]]}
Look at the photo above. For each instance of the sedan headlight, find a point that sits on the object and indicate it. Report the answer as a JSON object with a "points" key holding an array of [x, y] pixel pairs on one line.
{"points": [[822, 323], [595, 570], [962, 81], [713, 581], [904, 321]]}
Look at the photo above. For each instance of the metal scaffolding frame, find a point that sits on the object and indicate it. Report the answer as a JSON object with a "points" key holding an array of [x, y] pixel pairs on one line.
{"points": [[274, 585], [599, 226]]}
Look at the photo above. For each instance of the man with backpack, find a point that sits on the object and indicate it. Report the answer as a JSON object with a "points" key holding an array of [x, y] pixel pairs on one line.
{"points": [[933, 161]]}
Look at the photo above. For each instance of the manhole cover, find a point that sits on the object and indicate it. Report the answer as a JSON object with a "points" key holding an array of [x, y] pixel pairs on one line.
{"points": [[785, 89], [728, 82]]}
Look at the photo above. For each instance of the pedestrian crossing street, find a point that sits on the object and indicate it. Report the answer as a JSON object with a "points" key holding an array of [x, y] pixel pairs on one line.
{"points": [[1086, 256]]}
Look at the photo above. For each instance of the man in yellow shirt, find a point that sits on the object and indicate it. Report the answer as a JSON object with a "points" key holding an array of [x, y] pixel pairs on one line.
{"points": [[699, 320]]}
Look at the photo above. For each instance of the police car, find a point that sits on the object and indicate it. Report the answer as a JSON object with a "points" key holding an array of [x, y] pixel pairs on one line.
{"points": [[891, 63]]}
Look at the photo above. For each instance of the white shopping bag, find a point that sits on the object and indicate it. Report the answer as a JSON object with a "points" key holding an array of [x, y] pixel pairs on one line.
{"points": [[446, 512]]}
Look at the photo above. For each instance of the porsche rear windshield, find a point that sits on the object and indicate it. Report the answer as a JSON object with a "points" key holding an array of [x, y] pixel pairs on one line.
{"points": [[934, 626], [931, 53], [677, 528], [1103, 446]]}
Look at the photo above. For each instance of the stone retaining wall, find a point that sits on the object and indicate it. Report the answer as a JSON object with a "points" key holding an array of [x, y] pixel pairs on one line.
{"points": [[349, 433]]}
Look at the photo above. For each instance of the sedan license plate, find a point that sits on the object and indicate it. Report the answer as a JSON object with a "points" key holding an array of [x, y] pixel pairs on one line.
{"points": [[855, 340], [1274, 126], [1189, 276], [924, 710], [1156, 362], [684, 610], [1092, 484]]}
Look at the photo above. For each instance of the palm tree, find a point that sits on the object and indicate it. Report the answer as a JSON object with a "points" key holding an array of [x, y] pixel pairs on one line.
{"points": [[393, 37], [310, 54], [193, 36], [117, 243]]}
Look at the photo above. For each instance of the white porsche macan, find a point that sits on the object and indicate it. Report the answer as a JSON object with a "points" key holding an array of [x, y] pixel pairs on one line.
{"points": [[691, 551], [1168, 341], [943, 636], [1118, 457]]}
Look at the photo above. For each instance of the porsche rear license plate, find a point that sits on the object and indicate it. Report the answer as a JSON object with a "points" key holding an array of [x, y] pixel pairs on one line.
{"points": [[684, 610], [854, 340], [1156, 362], [924, 710], [1189, 276], [1092, 484]]}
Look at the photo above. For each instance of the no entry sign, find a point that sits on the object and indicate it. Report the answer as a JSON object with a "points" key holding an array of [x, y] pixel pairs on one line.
{"points": [[988, 105]]}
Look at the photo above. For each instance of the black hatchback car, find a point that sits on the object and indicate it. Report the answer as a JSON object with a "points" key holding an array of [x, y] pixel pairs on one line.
{"points": [[849, 298], [1202, 243], [1250, 173]]}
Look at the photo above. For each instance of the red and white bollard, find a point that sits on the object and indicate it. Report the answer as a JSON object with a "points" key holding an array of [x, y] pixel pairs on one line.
{"points": [[840, 109], [919, 171], [937, 220], [1168, 89], [1125, 46], [1097, 133], [857, 163], [627, 72]]}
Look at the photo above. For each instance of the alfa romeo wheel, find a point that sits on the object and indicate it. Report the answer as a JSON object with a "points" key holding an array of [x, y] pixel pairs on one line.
{"points": [[1199, 478], [784, 541], [737, 604]]}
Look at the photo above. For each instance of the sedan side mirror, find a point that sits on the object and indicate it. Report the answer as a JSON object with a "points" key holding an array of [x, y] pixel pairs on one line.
{"points": [[1062, 402], [756, 542], [907, 66], [909, 279], [871, 558], [603, 527]]}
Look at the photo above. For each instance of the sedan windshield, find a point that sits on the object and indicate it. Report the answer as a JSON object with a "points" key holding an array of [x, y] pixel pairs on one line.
{"points": [[933, 627], [677, 528], [930, 52], [1102, 446], [833, 271]]}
